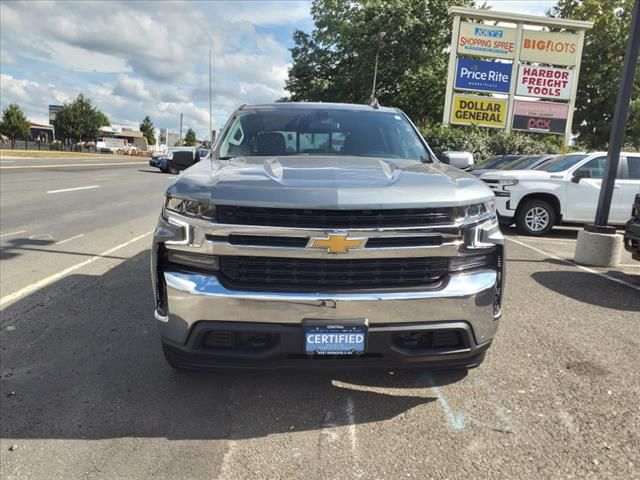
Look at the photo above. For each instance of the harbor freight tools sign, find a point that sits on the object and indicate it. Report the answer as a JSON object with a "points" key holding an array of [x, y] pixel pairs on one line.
{"points": [[549, 47], [545, 117], [486, 41], [483, 111], [544, 82], [483, 76]]}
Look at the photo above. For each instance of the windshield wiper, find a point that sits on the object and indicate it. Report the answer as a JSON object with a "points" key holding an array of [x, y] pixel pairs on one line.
{"points": [[228, 157]]}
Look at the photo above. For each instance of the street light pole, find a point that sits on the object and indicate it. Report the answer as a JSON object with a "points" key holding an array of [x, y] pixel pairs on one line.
{"points": [[210, 106], [620, 116], [375, 68]]}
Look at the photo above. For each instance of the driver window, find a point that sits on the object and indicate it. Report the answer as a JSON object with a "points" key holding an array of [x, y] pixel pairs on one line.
{"points": [[595, 167]]}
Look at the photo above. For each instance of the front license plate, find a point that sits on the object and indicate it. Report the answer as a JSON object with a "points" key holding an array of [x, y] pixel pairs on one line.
{"points": [[335, 339]]}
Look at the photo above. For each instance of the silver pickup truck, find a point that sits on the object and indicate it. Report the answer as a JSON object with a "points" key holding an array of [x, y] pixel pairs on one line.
{"points": [[326, 235]]}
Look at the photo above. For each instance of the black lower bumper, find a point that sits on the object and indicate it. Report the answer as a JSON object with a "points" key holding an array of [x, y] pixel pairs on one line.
{"points": [[239, 345], [632, 238]]}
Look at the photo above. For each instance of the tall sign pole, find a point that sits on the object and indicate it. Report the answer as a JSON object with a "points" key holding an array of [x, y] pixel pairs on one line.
{"points": [[210, 106], [620, 116]]}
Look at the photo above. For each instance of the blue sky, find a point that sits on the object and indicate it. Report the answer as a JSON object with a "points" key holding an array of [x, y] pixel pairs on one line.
{"points": [[142, 58]]}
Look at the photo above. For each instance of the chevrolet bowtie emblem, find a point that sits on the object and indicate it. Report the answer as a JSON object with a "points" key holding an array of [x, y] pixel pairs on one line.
{"points": [[337, 242]]}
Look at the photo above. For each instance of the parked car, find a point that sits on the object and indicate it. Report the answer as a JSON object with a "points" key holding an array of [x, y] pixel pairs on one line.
{"points": [[159, 161], [526, 162], [563, 189], [632, 231], [494, 163], [180, 158], [291, 247]]}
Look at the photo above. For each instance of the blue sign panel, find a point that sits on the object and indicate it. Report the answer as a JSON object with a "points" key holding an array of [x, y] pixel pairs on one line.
{"points": [[483, 76]]}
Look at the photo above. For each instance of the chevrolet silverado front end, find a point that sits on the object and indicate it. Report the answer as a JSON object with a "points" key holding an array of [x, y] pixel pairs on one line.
{"points": [[326, 235]]}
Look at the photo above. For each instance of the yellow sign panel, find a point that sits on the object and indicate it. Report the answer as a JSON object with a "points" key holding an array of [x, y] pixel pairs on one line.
{"points": [[549, 47], [475, 110]]}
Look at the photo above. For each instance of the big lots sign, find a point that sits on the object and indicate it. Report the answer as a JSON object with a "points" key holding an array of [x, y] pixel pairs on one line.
{"points": [[544, 82]]}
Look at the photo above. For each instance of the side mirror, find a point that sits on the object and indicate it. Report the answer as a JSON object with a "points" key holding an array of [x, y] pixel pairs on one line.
{"points": [[580, 174], [461, 160]]}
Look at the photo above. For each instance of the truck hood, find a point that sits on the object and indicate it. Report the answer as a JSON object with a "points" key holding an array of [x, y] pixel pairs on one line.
{"points": [[328, 182]]}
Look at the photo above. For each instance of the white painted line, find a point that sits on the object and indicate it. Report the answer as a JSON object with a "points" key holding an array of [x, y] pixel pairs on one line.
{"points": [[57, 276], [13, 167], [12, 233], [88, 187], [545, 239], [7, 161], [69, 239], [455, 420], [573, 264], [351, 425]]}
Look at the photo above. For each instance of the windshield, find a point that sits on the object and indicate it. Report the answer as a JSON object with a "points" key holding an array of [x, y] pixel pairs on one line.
{"points": [[522, 163], [313, 131], [561, 163], [496, 162]]}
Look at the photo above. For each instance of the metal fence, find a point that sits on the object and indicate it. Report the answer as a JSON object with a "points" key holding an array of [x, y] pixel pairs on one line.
{"points": [[53, 146]]}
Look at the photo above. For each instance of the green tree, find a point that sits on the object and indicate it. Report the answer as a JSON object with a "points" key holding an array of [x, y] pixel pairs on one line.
{"points": [[80, 119], [190, 138], [601, 69], [14, 124], [335, 61], [148, 130]]}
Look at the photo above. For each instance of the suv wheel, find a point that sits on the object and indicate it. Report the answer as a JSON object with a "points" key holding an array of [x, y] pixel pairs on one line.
{"points": [[536, 217]]}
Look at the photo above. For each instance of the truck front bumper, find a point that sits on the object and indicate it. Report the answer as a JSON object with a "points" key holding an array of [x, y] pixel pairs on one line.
{"points": [[199, 309]]}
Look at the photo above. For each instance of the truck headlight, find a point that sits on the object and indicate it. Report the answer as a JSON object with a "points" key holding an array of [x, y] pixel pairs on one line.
{"points": [[190, 208], [509, 182], [477, 212]]}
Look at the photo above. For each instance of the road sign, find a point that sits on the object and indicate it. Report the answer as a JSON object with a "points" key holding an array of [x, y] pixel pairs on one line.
{"points": [[545, 117], [53, 111], [549, 47], [483, 76], [486, 41], [544, 82], [475, 110]]}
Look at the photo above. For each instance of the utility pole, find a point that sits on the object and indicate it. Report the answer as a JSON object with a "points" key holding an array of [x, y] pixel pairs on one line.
{"points": [[598, 244], [181, 128], [210, 106]]}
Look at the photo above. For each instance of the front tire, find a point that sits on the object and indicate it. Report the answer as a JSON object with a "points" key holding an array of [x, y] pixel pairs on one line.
{"points": [[536, 217]]}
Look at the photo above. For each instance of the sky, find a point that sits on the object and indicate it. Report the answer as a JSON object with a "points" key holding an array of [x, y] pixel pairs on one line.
{"points": [[137, 58]]}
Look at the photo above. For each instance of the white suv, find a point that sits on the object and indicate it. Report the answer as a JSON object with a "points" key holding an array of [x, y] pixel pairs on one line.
{"points": [[564, 189]]}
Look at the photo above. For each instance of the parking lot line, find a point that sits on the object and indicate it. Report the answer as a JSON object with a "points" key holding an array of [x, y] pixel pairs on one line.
{"points": [[12, 233], [569, 262], [62, 190], [69, 239], [63, 273]]}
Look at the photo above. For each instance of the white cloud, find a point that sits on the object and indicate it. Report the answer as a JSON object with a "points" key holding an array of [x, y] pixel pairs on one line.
{"points": [[139, 58]]}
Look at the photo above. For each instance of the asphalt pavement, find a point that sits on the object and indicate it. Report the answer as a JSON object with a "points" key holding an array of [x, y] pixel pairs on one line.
{"points": [[85, 392]]}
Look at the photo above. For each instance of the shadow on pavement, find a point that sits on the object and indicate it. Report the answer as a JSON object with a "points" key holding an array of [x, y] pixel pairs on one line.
{"points": [[17, 246], [81, 359], [589, 288]]}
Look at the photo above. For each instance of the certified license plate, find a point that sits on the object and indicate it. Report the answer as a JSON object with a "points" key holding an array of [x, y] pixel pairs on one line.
{"points": [[339, 339]]}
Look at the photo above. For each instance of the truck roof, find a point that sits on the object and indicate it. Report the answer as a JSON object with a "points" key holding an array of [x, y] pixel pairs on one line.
{"points": [[318, 105]]}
